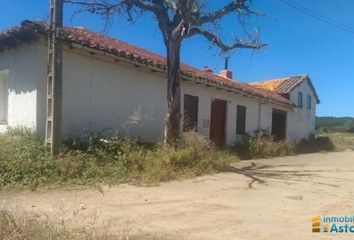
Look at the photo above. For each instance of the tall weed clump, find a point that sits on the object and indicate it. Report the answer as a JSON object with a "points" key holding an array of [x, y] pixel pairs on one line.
{"points": [[263, 145], [192, 156], [95, 160], [316, 144], [24, 160]]}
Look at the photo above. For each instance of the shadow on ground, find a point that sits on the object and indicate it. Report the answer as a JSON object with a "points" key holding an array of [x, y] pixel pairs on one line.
{"points": [[261, 174]]}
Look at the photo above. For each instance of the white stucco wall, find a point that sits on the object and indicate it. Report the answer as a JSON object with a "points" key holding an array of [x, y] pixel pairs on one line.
{"points": [[206, 96], [103, 95], [100, 94], [301, 122], [27, 67]]}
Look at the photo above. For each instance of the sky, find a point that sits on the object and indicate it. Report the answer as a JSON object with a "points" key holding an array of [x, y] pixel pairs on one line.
{"points": [[297, 43]]}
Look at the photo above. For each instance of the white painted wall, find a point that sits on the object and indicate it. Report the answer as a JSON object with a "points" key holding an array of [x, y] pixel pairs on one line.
{"points": [[301, 122], [103, 95], [26, 65], [100, 94]]}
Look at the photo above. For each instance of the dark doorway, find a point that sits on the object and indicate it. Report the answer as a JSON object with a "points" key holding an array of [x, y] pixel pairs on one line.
{"points": [[218, 122], [279, 124], [190, 116]]}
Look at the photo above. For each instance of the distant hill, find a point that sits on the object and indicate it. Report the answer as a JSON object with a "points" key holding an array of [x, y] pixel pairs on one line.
{"points": [[335, 124]]}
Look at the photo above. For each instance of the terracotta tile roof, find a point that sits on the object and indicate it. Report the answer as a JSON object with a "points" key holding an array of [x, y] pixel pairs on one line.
{"points": [[120, 49], [284, 86]]}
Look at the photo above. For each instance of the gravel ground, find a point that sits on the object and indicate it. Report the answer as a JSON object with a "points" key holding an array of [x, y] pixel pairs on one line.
{"points": [[260, 199]]}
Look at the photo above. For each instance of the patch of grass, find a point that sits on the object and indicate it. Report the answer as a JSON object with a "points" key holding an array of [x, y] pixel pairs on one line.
{"points": [[21, 226], [316, 144], [24, 161], [342, 141], [262, 145]]}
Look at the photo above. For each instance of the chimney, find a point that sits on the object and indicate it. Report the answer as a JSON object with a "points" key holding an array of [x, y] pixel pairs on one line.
{"points": [[226, 73], [207, 69]]}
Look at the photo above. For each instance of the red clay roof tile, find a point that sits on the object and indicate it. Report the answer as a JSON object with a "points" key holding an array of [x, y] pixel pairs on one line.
{"points": [[118, 48]]}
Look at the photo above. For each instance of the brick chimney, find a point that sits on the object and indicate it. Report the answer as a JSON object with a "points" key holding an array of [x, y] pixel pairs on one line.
{"points": [[226, 74], [207, 69]]}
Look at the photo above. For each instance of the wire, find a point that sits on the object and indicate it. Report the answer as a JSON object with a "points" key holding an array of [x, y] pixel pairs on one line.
{"points": [[320, 17]]}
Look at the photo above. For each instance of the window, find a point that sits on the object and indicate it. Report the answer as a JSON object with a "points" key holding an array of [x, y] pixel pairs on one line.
{"points": [[299, 100], [190, 119], [241, 120], [3, 95], [309, 102]]}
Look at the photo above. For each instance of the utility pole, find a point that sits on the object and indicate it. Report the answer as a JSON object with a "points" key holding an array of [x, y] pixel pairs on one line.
{"points": [[54, 78]]}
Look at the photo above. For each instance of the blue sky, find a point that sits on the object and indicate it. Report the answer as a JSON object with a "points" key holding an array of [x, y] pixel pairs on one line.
{"points": [[297, 42]]}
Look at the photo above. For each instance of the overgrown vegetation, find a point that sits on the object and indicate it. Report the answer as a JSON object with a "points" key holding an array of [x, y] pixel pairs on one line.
{"points": [[316, 143], [22, 226], [24, 162], [341, 141], [95, 160], [335, 124], [263, 145]]}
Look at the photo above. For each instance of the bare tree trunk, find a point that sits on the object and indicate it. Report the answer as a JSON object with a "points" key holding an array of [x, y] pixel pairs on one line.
{"points": [[173, 115]]}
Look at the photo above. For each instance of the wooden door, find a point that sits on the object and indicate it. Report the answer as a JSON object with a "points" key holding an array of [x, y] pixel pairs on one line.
{"points": [[218, 122], [279, 124]]}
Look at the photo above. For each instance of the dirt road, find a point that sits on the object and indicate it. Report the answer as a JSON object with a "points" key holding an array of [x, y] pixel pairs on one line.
{"points": [[262, 199]]}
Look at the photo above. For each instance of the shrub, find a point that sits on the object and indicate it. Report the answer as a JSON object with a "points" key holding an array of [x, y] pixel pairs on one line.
{"points": [[342, 141], [316, 144], [24, 160], [262, 145], [193, 156], [23, 226]]}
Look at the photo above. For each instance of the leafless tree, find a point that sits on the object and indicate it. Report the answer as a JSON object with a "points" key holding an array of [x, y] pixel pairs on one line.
{"points": [[177, 20]]}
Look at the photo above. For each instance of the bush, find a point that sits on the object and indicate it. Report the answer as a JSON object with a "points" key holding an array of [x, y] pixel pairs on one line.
{"points": [[315, 144], [15, 225], [24, 160], [263, 145], [342, 141]]}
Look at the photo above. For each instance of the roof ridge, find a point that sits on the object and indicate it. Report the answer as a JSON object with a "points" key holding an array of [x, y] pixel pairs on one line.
{"points": [[100, 42], [280, 78]]}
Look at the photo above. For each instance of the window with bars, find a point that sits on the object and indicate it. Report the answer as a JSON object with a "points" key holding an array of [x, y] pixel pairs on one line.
{"points": [[241, 120], [309, 102], [190, 117], [299, 100]]}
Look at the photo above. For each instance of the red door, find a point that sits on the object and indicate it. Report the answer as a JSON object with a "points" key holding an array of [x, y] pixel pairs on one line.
{"points": [[218, 122]]}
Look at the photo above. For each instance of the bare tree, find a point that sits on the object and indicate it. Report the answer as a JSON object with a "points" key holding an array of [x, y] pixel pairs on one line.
{"points": [[177, 20]]}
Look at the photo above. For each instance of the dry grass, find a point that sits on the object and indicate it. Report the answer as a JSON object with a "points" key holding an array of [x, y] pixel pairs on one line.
{"points": [[96, 161], [15, 225], [262, 145], [343, 141]]}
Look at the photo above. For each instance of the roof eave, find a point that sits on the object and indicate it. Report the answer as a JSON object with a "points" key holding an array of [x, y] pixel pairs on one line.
{"points": [[36, 29]]}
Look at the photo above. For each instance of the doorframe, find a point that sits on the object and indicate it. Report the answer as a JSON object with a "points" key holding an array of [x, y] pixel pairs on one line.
{"points": [[279, 111], [225, 121]]}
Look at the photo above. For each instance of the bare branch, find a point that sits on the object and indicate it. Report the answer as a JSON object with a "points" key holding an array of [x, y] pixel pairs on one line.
{"points": [[103, 6], [171, 4], [213, 38], [235, 5]]}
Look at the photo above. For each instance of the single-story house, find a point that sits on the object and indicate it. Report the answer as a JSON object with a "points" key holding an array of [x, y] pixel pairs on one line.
{"points": [[111, 86]]}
